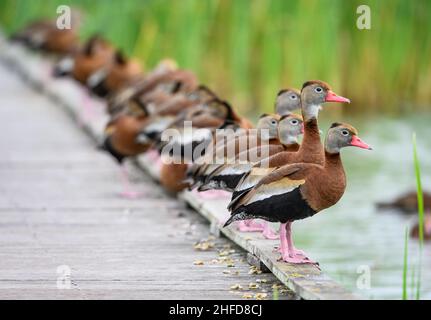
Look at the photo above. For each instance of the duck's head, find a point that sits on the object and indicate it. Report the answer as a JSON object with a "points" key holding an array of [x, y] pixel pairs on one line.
{"points": [[290, 127], [269, 123], [202, 93], [314, 93], [287, 101], [166, 65], [342, 135]]}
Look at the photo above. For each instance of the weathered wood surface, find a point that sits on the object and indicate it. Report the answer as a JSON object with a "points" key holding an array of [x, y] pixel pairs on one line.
{"points": [[306, 281], [59, 206]]}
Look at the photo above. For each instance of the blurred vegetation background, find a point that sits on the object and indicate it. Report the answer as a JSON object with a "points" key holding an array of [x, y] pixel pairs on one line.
{"points": [[248, 49]]}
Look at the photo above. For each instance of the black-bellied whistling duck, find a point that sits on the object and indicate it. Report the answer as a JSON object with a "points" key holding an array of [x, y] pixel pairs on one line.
{"points": [[313, 94], [181, 101], [297, 191], [46, 36], [227, 176], [407, 203], [95, 54], [287, 100], [197, 119], [120, 141], [198, 172], [285, 138], [203, 121], [426, 228], [180, 107], [153, 93], [172, 176], [155, 89], [114, 76]]}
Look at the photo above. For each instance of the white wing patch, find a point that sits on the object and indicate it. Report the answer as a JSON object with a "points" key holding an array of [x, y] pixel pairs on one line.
{"points": [[66, 64], [97, 77], [275, 188], [234, 170]]}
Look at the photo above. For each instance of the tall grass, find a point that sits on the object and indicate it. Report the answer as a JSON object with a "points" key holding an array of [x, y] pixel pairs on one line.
{"points": [[415, 277], [248, 49], [420, 212], [405, 263]]}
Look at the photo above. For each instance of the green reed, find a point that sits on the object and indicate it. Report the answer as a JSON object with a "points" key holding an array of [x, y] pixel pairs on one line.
{"points": [[420, 211], [248, 49], [415, 281], [405, 263]]}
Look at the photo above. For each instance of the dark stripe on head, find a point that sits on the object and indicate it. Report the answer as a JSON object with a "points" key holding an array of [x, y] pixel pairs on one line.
{"points": [[324, 85], [287, 115], [281, 92]]}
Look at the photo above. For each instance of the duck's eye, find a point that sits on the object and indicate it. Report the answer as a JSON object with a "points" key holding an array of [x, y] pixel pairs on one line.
{"points": [[318, 89], [294, 122], [293, 97], [345, 132], [273, 122]]}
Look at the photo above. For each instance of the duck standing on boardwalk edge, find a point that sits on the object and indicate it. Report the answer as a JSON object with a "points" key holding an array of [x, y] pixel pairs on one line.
{"points": [[296, 180], [297, 191]]}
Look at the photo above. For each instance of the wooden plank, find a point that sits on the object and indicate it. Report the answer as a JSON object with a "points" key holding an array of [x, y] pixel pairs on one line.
{"points": [[307, 281], [59, 206]]}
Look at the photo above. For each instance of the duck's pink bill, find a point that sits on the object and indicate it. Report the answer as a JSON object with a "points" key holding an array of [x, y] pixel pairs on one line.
{"points": [[332, 97], [357, 142]]}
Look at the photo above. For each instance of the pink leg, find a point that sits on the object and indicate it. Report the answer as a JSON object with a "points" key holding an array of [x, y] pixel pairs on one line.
{"points": [[127, 192], [152, 155], [268, 233], [249, 226], [283, 241], [291, 255], [427, 225], [88, 112], [159, 163], [47, 74], [213, 194]]}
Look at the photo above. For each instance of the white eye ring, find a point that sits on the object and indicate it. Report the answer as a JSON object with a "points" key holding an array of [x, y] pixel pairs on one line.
{"points": [[345, 133], [293, 97], [318, 89], [294, 122]]}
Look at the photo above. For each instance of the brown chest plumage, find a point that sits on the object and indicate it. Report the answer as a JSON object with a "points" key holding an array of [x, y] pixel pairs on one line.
{"points": [[324, 188], [123, 136]]}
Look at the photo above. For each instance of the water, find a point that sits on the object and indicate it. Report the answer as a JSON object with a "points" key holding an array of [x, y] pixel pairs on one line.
{"points": [[354, 236]]}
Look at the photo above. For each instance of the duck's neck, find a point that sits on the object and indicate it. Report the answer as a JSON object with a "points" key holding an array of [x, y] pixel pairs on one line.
{"points": [[331, 182], [311, 150], [333, 161], [292, 147], [335, 170]]}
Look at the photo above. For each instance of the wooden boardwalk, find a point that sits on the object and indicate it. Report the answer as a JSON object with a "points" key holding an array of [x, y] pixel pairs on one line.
{"points": [[59, 207], [306, 281]]}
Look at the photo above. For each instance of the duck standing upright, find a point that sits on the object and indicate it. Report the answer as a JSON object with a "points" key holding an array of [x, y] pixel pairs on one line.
{"points": [[289, 129], [297, 191], [121, 143], [287, 100], [44, 35], [313, 94], [112, 77]]}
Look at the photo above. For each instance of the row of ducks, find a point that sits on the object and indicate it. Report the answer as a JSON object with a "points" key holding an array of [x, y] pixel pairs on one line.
{"points": [[294, 180]]}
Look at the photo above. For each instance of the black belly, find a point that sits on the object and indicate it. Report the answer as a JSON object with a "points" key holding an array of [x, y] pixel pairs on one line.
{"points": [[100, 90], [279, 208], [226, 182], [107, 146]]}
